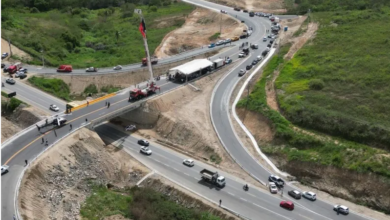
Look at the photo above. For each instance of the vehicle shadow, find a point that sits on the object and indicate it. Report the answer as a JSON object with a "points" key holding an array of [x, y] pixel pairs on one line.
{"points": [[209, 185]]}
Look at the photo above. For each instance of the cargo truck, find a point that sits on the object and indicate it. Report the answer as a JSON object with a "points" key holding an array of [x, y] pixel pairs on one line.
{"points": [[218, 63], [65, 68], [137, 93], [213, 178], [153, 60]]}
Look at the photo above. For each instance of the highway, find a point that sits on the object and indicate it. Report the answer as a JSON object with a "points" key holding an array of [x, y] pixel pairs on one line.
{"points": [[252, 204]]}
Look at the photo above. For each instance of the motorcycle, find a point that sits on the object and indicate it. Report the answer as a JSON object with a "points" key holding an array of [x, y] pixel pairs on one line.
{"points": [[246, 187]]}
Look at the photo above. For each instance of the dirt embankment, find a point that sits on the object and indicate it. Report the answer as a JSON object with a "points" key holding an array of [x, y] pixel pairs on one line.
{"points": [[20, 119], [325, 181], [59, 181], [199, 26], [181, 120], [15, 51]]}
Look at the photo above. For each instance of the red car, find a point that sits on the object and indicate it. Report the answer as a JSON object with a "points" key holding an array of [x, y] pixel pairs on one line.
{"points": [[287, 205]]}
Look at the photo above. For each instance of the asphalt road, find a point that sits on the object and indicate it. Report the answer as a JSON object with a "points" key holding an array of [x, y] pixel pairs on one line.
{"points": [[29, 145]]}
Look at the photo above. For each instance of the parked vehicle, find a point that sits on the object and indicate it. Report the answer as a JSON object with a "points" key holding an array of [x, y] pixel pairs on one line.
{"points": [[272, 187], [143, 142], [341, 208], [264, 53], [137, 93], [24, 70], [218, 63], [212, 45], [118, 67], [242, 21], [309, 195], [54, 108], [65, 68], [10, 81], [245, 11], [228, 41], [219, 43], [243, 36], [251, 14], [4, 169], [228, 60], [2, 65], [242, 72], [189, 162], [224, 12], [235, 38], [12, 69], [295, 194], [259, 58], [277, 180], [145, 150], [91, 69], [213, 177], [254, 46], [254, 62], [237, 9], [248, 67], [4, 55], [153, 60], [287, 204]]}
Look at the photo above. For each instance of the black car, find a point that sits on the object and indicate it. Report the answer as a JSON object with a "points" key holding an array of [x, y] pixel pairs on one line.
{"points": [[254, 63], [242, 21], [264, 53], [246, 11], [143, 142], [248, 67], [271, 41], [2, 65], [237, 9], [10, 81], [269, 45], [251, 14], [277, 180], [295, 194], [243, 36], [22, 76]]}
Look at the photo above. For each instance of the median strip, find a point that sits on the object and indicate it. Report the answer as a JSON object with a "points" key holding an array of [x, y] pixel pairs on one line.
{"points": [[93, 101]]}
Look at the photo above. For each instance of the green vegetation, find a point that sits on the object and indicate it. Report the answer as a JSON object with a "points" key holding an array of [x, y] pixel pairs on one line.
{"points": [[137, 203], [109, 89], [91, 88], [338, 84], [88, 34], [214, 157], [214, 36], [56, 87], [298, 146], [11, 105]]}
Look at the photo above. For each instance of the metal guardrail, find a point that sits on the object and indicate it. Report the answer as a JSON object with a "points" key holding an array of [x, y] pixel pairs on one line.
{"points": [[28, 165]]}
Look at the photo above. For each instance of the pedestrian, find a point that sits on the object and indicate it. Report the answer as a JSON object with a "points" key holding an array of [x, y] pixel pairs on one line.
{"points": [[47, 143], [43, 140], [87, 103], [70, 125], [220, 202], [106, 103], [26, 162], [47, 121], [39, 128], [86, 119]]}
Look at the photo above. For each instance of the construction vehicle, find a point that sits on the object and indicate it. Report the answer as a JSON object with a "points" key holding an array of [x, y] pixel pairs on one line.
{"points": [[65, 68], [136, 93], [153, 60], [213, 177]]}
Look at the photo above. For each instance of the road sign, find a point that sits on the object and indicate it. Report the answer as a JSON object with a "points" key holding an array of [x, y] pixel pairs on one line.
{"points": [[138, 11]]}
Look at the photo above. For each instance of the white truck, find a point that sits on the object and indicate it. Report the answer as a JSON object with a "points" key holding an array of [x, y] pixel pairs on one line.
{"points": [[213, 177], [218, 63]]}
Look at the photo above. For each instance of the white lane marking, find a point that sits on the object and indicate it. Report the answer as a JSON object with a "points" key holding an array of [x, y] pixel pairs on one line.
{"points": [[243, 199], [271, 211], [176, 169], [231, 193], [102, 113], [157, 160], [187, 174]]}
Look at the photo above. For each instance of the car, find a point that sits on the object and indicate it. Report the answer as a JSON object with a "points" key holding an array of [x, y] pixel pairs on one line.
{"points": [[2, 65], [223, 11], [242, 72], [277, 180], [211, 45], [248, 67], [4, 55], [143, 142], [118, 67], [4, 169], [243, 36], [188, 162], [259, 58], [235, 38], [54, 108], [10, 81], [267, 49], [254, 46], [221, 42], [264, 53], [245, 11], [287, 204], [91, 69], [145, 150], [22, 76], [59, 121], [242, 21], [228, 41], [309, 195], [24, 70], [269, 45], [237, 9], [272, 187], [265, 39], [241, 55], [295, 193], [341, 208], [254, 62], [228, 60], [130, 128]]}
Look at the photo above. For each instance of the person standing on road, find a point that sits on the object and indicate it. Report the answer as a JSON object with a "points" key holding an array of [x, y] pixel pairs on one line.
{"points": [[26, 162], [220, 202], [108, 105], [86, 119], [87, 103], [70, 125], [47, 143], [43, 140]]}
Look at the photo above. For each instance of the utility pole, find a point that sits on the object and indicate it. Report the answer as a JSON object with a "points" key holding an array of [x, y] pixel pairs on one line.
{"points": [[308, 14], [43, 60], [139, 11], [9, 44], [220, 26]]}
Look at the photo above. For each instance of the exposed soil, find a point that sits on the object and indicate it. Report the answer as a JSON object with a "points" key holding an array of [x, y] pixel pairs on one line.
{"points": [[181, 120], [59, 181], [15, 51], [199, 26], [268, 6]]}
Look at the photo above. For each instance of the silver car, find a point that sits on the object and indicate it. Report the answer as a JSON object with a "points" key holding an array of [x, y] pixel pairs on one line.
{"points": [[341, 208], [309, 195], [4, 169], [188, 162]]}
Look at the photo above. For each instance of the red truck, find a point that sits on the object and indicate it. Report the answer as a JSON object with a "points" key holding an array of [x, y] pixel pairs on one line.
{"points": [[136, 94], [153, 60], [14, 68], [65, 68]]}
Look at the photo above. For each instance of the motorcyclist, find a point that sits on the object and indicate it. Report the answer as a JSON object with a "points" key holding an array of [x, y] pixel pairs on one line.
{"points": [[246, 187]]}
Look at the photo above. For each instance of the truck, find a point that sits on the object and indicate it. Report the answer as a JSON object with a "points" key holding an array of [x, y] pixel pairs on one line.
{"points": [[245, 50], [213, 177], [136, 93], [14, 68], [153, 60], [276, 19], [65, 68], [218, 63]]}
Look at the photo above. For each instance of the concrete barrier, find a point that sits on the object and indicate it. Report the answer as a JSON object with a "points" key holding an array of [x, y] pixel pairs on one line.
{"points": [[93, 101]]}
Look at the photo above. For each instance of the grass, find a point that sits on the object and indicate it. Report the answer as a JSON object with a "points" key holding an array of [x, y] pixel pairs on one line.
{"points": [[11, 105], [214, 36], [338, 83], [137, 203], [90, 37], [109, 89], [56, 87], [297, 146]]}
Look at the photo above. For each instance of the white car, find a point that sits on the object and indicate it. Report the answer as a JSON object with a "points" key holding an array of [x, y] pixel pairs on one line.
{"points": [[259, 58], [264, 39], [189, 162], [119, 67], [54, 108], [272, 187], [146, 150], [4, 169], [341, 208], [241, 55], [309, 195]]}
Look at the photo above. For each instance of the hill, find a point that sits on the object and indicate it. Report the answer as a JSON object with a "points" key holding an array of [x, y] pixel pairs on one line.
{"points": [[84, 35]]}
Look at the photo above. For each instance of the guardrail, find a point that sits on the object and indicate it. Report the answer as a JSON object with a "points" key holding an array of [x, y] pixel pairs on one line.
{"points": [[93, 101], [28, 165]]}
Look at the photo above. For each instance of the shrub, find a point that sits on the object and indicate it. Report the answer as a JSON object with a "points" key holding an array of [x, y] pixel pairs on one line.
{"points": [[214, 36], [57, 87], [34, 10], [316, 84], [91, 89], [153, 8]]}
